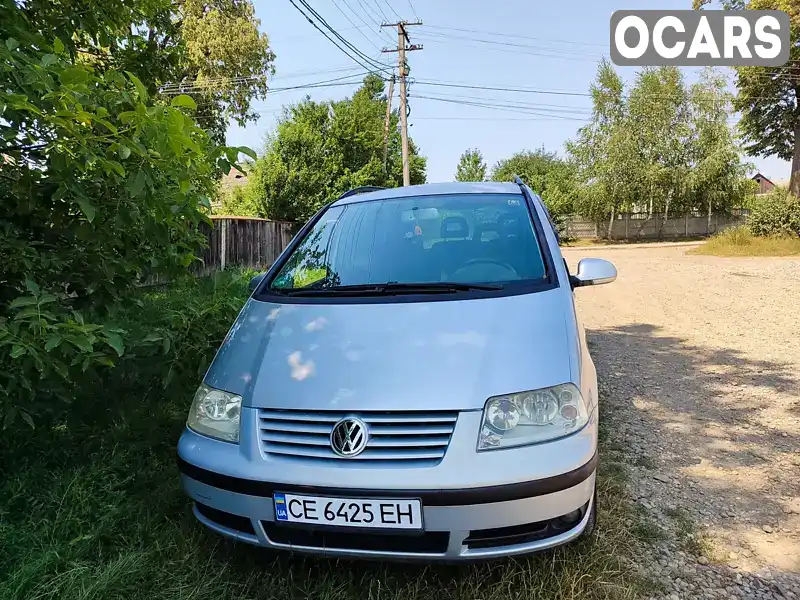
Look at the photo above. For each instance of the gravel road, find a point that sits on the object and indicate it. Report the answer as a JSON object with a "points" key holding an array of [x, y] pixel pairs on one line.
{"points": [[699, 361]]}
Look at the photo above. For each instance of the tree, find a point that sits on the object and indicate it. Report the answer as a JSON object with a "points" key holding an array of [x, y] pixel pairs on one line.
{"points": [[548, 175], [208, 49], [719, 177], [661, 148], [769, 97], [471, 166], [319, 150], [100, 188]]}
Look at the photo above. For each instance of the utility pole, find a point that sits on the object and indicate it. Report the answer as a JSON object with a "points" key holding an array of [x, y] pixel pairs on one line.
{"points": [[403, 45], [386, 123]]}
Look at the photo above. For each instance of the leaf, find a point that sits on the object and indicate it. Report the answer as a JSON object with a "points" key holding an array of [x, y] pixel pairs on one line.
{"points": [[117, 168], [248, 152], [136, 184], [12, 44], [46, 299], [30, 311], [108, 125], [86, 208], [184, 101], [54, 341], [124, 152], [49, 59], [21, 301], [32, 286], [17, 351], [166, 345], [152, 337], [58, 46], [115, 341], [11, 414], [27, 418], [74, 76], [81, 343], [140, 89], [224, 165]]}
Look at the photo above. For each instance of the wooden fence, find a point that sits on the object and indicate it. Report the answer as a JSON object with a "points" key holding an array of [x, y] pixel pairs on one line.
{"points": [[244, 242], [238, 242]]}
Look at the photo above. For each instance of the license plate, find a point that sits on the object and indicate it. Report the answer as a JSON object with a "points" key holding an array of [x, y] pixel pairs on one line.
{"points": [[348, 512]]}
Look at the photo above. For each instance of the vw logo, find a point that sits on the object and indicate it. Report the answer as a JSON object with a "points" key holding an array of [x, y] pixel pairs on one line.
{"points": [[349, 437]]}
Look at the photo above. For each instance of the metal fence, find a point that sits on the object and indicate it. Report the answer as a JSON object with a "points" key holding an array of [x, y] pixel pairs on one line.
{"points": [[629, 226]]}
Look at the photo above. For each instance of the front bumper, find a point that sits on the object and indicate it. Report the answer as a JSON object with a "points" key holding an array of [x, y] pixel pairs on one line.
{"points": [[475, 505]]}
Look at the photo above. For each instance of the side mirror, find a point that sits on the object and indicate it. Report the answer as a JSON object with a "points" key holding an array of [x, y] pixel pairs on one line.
{"points": [[593, 271], [255, 281]]}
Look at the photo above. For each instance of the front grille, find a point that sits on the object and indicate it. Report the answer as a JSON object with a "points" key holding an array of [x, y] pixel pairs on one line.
{"points": [[428, 542], [421, 437]]}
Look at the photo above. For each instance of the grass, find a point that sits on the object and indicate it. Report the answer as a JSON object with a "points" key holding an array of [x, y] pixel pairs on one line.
{"points": [[90, 509], [738, 241]]}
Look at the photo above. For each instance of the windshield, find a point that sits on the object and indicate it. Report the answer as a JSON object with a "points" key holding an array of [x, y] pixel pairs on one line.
{"points": [[464, 238]]}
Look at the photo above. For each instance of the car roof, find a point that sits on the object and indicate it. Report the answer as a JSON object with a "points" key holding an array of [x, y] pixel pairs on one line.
{"points": [[433, 189]]}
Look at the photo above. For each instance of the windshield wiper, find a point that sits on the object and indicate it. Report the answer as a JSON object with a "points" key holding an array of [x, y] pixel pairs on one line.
{"points": [[391, 288]]}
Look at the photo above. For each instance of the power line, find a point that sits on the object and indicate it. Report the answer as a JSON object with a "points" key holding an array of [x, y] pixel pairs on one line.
{"points": [[316, 84], [374, 45], [373, 62], [501, 89], [380, 10], [220, 81], [561, 56], [511, 35], [391, 8], [501, 107], [363, 56], [511, 44], [413, 11], [372, 17]]}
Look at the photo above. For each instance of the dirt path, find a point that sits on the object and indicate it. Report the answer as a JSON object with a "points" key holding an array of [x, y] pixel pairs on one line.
{"points": [[701, 358]]}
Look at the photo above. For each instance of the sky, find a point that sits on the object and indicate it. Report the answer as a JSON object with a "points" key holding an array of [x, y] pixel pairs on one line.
{"points": [[545, 46]]}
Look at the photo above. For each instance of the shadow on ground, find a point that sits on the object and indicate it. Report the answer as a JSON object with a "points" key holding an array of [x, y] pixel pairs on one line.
{"points": [[718, 423]]}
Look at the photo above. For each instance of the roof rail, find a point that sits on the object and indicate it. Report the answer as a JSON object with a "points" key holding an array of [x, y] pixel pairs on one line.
{"points": [[518, 180], [361, 190]]}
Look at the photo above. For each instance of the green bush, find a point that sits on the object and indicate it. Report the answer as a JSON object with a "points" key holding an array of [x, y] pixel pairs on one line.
{"points": [[776, 213], [101, 187]]}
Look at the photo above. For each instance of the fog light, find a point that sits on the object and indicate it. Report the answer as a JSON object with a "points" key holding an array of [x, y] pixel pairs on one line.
{"points": [[572, 517]]}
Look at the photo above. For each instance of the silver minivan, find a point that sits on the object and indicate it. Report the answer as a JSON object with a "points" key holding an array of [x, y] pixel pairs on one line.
{"points": [[409, 380]]}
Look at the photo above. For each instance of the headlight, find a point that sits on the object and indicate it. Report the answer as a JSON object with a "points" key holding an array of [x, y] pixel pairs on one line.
{"points": [[532, 417], [216, 414]]}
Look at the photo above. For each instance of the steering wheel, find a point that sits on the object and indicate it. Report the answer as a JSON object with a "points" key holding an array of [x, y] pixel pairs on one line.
{"points": [[489, 261]]}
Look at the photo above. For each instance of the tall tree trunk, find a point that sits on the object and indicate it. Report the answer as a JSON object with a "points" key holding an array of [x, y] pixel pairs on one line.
{"points": [[794, 182], [666, 216], [708, 224], [611, 220]]}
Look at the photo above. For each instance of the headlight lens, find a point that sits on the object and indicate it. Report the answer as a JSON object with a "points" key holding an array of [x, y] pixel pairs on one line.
{"points": [[216, 414], [532, 417]]}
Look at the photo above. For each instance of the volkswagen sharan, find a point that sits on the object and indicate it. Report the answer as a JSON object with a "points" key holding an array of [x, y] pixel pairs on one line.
{"points": [[409, 380]]}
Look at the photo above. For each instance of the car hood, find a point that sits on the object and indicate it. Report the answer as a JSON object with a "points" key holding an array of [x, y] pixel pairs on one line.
{"points": [[440, 355]]}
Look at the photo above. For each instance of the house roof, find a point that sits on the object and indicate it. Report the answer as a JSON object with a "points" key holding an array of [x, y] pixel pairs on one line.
{"points": [[764, 177], [234, 178]]}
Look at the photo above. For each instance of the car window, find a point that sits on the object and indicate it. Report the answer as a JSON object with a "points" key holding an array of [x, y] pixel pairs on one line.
{"points": [[465, 238]]}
